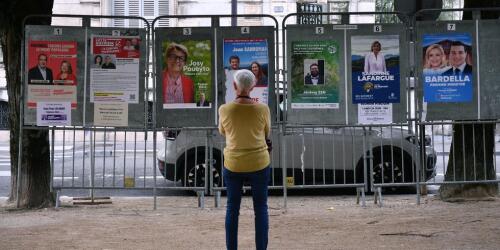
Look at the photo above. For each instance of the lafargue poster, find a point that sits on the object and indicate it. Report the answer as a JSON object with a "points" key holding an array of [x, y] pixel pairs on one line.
{"points": [[447, 64], [315, 75], [375, 69], [187, 74]]}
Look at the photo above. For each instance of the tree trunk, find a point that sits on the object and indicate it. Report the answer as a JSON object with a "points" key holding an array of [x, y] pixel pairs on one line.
{"points": [[472, 146], [471, 158], [35, 165]]}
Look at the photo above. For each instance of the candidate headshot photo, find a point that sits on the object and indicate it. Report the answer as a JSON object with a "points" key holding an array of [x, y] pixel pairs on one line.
{"points": [[447, 55], [66, 76], [260, 76], [375, 59], [128, 46], [40, 73], [177, 87], [435, 62], [202, 100], [314, 73], [229, 71], [97, 61], [458, 60], [108, 62]]}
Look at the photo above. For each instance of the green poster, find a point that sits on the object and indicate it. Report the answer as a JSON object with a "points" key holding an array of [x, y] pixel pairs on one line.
{"points": [[186, 74], [315, 75]]}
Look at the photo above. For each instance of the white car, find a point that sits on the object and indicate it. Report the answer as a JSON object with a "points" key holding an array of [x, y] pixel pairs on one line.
{"points": [[313, 156]]}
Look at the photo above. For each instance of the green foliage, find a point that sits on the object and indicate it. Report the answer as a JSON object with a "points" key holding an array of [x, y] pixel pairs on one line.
{"points": [[385, 6]]}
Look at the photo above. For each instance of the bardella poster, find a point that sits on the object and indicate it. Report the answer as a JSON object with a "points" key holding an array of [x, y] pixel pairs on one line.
{"points": [[375, 69], [447, 67], [186, 75], [251, 54], [315, 75]]}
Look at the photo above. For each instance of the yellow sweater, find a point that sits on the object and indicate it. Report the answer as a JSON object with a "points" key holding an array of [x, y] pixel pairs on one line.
{"points": [[245, 127]]}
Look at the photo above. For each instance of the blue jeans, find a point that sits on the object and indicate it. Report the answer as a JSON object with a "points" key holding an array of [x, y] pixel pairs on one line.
{"points": [[234, 184]]}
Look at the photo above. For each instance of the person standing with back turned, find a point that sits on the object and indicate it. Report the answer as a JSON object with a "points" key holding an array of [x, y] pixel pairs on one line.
{"points": [[246, 125]]}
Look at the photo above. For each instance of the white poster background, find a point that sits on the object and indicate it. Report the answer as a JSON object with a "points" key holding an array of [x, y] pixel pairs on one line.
{"points": [[53, 114], [260, 94], [117, 84], [111, 114], [315, 106], [374, 113]]}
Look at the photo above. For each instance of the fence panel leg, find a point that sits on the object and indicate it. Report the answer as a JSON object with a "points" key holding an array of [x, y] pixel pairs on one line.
{"points": [[201, 199], [379, 191], [357, 196], [217, 198], [58, 201], [363, 197]]}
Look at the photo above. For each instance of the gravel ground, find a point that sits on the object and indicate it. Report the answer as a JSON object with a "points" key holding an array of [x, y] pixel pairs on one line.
{"points": [[311, 222]]}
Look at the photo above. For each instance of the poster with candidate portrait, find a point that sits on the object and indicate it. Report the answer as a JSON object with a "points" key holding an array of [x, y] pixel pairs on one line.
{"points": [[114, 70], [186, 74], [315, 75], [251, 54], [447, 67], [52, 70], [375, 69]]}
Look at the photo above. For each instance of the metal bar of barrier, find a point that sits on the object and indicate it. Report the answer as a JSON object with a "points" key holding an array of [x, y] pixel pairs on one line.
{"points": [[460, 182], [415, 172]]}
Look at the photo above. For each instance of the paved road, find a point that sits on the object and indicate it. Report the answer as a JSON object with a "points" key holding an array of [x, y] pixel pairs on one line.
{"points": [[73, 168], [4, 169]]}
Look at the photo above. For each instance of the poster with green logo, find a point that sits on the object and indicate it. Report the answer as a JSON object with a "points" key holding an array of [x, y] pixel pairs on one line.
{"points": [[315, 75], [186, 74]]}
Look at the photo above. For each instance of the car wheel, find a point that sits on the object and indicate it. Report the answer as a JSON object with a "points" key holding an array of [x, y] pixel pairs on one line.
{"points": [[391, 169], [388, 171], [195, 176]]}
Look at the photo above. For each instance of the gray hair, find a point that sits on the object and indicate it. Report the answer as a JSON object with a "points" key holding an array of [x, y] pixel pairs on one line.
{"points": [[244, 79]]}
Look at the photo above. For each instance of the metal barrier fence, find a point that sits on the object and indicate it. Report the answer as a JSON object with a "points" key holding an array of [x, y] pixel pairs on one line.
{"points": [[73, 53], [329, 146], [192, 149], [101, 159], [467, 152], [313, 148]]}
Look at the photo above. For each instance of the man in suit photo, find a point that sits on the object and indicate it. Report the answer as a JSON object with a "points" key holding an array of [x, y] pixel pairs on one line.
{"points": [[314, 77], [40, 74], [108, 63], [457, 58], [203, 101]]}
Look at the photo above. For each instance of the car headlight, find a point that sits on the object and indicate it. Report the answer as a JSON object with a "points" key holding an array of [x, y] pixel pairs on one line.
{"points": [[427, 140], [414, 140], [171, 134]]}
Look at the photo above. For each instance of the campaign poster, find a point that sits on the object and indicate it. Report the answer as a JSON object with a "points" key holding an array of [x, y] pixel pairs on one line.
{"points": [[375, 113], [186, 75], [251, 54], [447, 67], [375, 69], [53, 114], [315, 75], [52, 71], [111, 114], [114, 70]]}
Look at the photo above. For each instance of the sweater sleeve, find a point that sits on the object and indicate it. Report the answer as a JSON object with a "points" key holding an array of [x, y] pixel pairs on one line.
{"points": [[267, 121], [221, 128]]}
